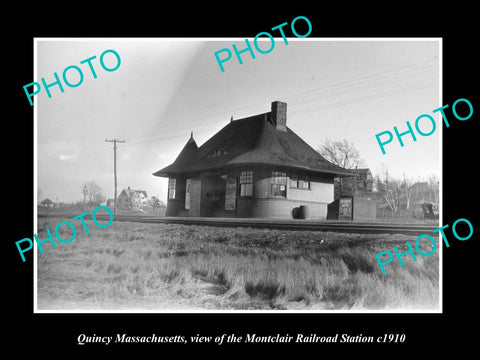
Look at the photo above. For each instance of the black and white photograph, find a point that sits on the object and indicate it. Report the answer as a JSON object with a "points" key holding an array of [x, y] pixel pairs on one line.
{"points": [[259, 178], [262, 187]]}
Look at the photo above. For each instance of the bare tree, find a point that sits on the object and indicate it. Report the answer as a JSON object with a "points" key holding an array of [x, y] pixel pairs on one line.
{"points": [[93, 192], [341, 152], [390, 190], [154, 203], [407, 188], [392, 196], [344, 154]]}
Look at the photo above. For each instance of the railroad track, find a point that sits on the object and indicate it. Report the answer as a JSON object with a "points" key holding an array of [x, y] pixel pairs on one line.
{"points": [[308, 225]]}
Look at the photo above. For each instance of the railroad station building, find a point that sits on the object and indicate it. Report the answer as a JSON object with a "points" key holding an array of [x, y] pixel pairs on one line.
{"points": [[253, 167]]}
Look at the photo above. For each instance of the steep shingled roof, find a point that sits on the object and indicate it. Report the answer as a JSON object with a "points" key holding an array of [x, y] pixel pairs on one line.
{"points": [[254, 140]]}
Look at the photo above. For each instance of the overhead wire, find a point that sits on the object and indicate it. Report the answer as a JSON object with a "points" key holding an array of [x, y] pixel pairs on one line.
{"points": [[401, 73], [370, 81]]}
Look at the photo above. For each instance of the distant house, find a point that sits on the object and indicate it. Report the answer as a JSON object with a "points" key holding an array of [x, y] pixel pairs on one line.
{"points": [[131, 199], [47, 203], [253, 167], [110, 203], [360, 184]]}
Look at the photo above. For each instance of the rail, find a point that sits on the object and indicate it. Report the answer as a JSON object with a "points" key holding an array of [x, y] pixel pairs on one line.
{"points": [[293, 224]]}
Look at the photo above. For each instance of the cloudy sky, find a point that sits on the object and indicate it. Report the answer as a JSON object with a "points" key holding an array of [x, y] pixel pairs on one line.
{"points": [[166, 88]]}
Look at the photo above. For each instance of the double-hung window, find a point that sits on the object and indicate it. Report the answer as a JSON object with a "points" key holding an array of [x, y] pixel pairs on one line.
{"points": [[246, 183], [299, 182], [171, 188], [278, 184]]}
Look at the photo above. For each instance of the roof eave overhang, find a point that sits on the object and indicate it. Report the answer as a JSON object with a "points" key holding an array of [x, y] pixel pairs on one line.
{"points": [[168, 173]]}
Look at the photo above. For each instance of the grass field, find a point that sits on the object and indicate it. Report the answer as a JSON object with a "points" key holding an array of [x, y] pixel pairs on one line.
{"points": [[135, 266]]}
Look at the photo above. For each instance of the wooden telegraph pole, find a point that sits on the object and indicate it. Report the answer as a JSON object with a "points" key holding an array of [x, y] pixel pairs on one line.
{"points": [[115, 141]]}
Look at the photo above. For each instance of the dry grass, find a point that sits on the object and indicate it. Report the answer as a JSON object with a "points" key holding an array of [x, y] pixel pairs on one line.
{"points": [[168, 266]]}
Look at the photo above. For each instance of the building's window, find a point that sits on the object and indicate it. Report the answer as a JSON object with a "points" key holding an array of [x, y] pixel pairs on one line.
{"points": [[187, 194], [304, 182], [217, 152], [171, 188], [299, 182], [246, 183], [294, 181], [278, 184]]}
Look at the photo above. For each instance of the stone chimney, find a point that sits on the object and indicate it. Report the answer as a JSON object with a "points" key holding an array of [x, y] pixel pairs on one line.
{"points": [[279, 115]]}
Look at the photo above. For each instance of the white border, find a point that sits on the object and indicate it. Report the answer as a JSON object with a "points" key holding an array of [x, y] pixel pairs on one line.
{"points": [[35, 179], [440, 186], [186, 311]]}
